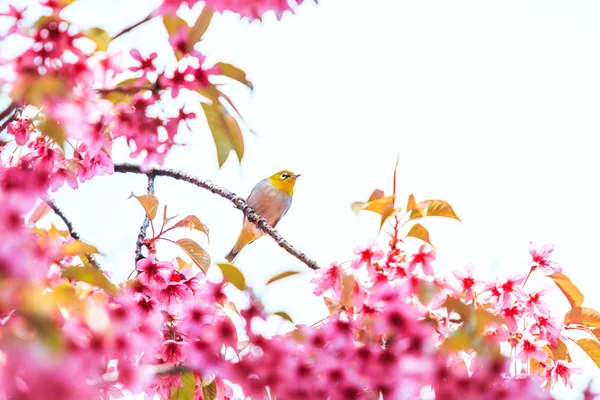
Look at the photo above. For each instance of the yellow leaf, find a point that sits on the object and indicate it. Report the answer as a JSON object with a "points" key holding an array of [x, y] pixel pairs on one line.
{"points": [[209, 392], [77, 247], [583, 316], [51, 129], [90, 275], [172, 23], [149, 202], [281, 276], [233, 275], [573, 295], [592, 348], [225, 130], [199, 256], [234, 73], [100, 37], [187, 388], [561, 352], [284, 315], [348, 283], [436, 208], [199, 28], [418, 231], [34, 91]]}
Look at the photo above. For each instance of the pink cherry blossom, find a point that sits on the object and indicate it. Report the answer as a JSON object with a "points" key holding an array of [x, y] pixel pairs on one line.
{"points": [[541, 258], [529, 347], [424, 259], [467, 281], [367, 254]]}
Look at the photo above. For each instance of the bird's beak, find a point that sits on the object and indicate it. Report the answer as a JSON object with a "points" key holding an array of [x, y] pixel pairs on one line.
{"points": [[296, 176]]}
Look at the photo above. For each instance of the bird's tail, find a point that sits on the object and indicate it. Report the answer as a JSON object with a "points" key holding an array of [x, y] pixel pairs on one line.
{"points": [[245, 238]]}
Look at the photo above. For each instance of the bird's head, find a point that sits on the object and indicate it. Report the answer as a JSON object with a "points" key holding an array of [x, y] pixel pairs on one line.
{"points": [[284, 181]]}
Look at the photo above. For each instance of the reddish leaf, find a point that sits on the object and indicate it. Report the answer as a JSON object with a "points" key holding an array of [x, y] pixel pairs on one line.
{"points": [[198, 255], [592, 348], [570, 291], [192, 222], [281, 276], [583, 316], [149, 202], [418, 231], [40, 211]]}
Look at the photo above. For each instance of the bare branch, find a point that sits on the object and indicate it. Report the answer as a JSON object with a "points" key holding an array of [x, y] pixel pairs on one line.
{"points": [[72, 231], [132, 27], [144, 227], [237, 202]]}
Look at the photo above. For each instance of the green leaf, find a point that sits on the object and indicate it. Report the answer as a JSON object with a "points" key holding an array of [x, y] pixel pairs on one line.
{"points": [[284, 315], [53, 130], [192, 222], [198, 255], [570, 291], [418, 231], [100, 37], [149, 202], [592, 349], [187, 388], [583, 316], [77, 248], [210, 391], [233, 275], [281, 276], [226, 132], [200, 27], [90, 275], [234, 73]]}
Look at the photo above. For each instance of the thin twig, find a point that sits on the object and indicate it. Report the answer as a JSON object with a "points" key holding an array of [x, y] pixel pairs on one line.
{"points": [[124, 31], [72, 231], [237, 202], [144, 227], [10, 113]]}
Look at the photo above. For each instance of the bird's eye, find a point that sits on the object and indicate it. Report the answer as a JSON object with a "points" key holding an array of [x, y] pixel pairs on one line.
{"points": [[284, 175]]}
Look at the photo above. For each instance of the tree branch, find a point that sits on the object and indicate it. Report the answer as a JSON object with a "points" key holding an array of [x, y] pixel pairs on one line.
{"points": [[72, 231], [132, 27], [237, 202], [145, 224], [11, 112]]}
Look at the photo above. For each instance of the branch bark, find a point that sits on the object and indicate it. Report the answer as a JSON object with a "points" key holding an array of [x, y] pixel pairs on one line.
{"points": [[10, 113], [132, 27], [144, 227], [72, 231], [238, 202]]}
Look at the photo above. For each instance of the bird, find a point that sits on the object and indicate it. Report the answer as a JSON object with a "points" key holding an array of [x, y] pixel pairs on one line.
{"points": [[271, 198]]}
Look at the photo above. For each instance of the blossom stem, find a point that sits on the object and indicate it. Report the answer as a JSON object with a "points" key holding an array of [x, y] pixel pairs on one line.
{"points": [[72, 232], [237, 202]]}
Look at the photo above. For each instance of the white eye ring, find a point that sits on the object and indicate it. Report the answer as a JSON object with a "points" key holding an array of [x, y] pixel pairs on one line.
{"points": [[284, 176]]}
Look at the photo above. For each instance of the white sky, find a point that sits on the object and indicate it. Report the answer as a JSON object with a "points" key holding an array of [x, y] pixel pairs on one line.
{"points": [[491, 106]]}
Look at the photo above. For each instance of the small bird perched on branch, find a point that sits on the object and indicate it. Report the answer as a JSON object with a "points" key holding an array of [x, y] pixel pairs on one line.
{"points": [[271, 198]]}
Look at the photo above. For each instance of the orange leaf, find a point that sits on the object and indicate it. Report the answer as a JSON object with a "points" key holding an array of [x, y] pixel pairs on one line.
{"points": [[592, 348], [561, 352], [149, 202], [233, 275], [192, 222], [570, 291], [583, 316]]}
